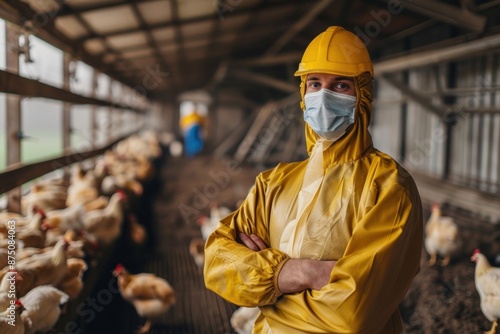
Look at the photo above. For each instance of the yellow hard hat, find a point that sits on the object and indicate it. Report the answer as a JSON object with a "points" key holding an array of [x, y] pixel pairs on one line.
{"points": [[336, 51]]}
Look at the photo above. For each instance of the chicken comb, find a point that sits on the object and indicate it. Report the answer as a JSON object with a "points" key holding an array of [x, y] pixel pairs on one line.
{"points": [[41, 212], [18, 303], [201, 220], [122, 194], [118, 269], [476, 251]]}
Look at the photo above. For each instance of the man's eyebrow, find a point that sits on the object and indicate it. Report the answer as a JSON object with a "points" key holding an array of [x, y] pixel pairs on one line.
{"points": [[312, 78], [343, 78]]}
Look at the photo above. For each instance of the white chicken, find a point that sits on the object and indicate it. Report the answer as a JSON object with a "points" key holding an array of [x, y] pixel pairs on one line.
{"points": [[487, 281], [441, 237], [243, 319], [151, 295], [42, 308], [9, 325], [208, 224], [218, 212], [105, 224], [69, 218]]}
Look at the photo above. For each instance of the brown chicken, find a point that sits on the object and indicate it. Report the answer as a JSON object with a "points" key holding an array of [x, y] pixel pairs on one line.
{"points": [[6, 322], [151, 295], [99, 203], [486, 279], [82, 189], [45, 198], [197, 251], [138, 233], [39, 269], [72, 283], [33, 235], [5, 289]]}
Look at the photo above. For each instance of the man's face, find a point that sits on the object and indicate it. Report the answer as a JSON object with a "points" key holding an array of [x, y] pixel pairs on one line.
{"points": [[335, 83]]}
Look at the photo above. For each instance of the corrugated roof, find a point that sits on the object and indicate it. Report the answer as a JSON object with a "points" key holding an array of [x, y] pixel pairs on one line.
{"points": [[191, 39]]}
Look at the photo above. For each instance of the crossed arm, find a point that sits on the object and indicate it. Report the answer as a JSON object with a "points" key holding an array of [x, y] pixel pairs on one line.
{"points": [[297, 274]]}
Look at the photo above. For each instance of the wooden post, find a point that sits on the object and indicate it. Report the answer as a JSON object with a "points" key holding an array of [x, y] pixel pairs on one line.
{"points": [[66, 115], [93, 110], [109, 116], [13, 106]]}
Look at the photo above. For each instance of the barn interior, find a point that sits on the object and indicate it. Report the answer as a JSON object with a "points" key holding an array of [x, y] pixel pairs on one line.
{"points": [[82, 78]]}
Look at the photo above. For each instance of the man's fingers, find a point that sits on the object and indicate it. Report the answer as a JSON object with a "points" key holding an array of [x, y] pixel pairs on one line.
{"points": [[258, 241], [249, 242]]}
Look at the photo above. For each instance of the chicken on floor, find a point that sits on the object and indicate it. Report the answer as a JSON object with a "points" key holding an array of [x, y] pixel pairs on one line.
{"points": [[487, 280], [151, 295], [441, 237]]}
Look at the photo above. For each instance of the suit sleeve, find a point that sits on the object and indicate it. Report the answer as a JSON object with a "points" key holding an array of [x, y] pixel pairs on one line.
{"points": [[240, 275]]}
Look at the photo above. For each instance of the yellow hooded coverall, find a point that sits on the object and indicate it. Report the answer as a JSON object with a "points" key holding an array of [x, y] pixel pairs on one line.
{"points": [[367, 215]]}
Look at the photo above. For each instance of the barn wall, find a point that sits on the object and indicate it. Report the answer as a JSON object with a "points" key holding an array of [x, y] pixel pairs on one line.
{"points": [[475, 145], [224, 121]]}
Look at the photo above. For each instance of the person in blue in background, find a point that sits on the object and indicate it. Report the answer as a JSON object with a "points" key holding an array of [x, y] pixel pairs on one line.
{"points": [[192, 122]]}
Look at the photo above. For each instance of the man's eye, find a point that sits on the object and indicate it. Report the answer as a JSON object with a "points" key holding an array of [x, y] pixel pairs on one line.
{"points": [[314, 85]]}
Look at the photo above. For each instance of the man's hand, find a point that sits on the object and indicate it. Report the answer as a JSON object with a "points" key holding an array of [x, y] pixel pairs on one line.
{"points": [[297, 274], [253, 242]]}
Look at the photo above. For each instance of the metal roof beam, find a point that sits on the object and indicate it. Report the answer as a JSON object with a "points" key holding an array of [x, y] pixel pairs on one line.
{"points": [[426, 58], [67, 10], [176, 22], [460, 17], [298, 26], [421, 99], [285, 58], [265, 80]]}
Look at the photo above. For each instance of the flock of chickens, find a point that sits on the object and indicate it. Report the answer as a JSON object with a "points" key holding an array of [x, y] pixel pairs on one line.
{"points": [[443, 240], [45, 250]]}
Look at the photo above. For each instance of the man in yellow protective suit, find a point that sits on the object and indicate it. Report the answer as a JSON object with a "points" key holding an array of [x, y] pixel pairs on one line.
{"points": [[191, 124], [330, 244]]}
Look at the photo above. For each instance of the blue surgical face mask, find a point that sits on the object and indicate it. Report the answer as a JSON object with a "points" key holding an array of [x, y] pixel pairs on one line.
{"points": [[329, 113]]}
